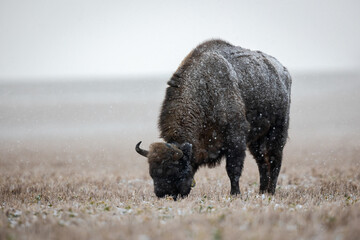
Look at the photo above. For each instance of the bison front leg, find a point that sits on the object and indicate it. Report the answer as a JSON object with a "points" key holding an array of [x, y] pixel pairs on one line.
{"points": [[234, 164]]}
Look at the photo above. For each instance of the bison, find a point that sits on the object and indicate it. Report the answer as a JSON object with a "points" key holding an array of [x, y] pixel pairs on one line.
{"points": [[221, 100]]}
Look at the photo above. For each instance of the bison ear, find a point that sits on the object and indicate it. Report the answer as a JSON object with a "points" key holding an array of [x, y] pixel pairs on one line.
{"points": [[186, 148]]}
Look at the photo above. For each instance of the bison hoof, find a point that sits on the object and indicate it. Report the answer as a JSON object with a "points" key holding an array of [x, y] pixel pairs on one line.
{"points": [[267, 191], [235, 192]]}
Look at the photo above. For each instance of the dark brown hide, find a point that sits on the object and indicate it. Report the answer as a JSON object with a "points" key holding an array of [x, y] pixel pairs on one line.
{"points": [[220, 100]]}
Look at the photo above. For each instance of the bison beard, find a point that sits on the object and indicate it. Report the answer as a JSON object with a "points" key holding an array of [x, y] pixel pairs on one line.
{"points": [[221, 100]]}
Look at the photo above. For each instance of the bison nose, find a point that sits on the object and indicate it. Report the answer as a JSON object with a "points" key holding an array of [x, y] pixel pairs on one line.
{"points": [[159, 193]]}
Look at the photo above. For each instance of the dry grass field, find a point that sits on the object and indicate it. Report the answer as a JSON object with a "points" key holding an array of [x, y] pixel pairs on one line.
{"points": [[61, 183]]}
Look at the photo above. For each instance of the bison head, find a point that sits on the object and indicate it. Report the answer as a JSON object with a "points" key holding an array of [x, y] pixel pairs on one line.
{"points": [[170, 168]]}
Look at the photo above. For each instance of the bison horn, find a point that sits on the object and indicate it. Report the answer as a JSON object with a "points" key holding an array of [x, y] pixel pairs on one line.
{"points": [[142, 152]]}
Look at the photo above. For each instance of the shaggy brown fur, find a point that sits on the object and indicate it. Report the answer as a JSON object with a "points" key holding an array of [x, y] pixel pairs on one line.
{"points": [[220, 100], [160, 152]]}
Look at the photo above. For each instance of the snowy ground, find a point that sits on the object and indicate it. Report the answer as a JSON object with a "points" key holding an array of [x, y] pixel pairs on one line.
{"points": [[68, 169]]}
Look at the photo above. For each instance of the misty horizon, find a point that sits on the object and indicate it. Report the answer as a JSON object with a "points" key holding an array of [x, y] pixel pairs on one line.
{"points": [[93, 39]]}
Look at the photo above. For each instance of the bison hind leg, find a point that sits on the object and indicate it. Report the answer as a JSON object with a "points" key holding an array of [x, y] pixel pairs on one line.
{"points": [[259, 152], [277, 137], [268, 152]]}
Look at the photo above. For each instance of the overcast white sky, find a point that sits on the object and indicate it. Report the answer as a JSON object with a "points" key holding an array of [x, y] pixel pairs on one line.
{"points": [[88, 38]]}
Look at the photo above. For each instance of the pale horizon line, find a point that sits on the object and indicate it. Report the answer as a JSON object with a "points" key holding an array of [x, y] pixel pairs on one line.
{"points": [[152, 76]]}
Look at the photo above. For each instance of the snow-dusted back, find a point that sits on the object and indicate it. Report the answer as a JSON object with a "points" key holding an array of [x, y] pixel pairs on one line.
{"points": [[217, 84]]}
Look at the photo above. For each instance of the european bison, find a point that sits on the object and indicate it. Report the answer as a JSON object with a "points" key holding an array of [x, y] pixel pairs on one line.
{"points": [[220, 100]]}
